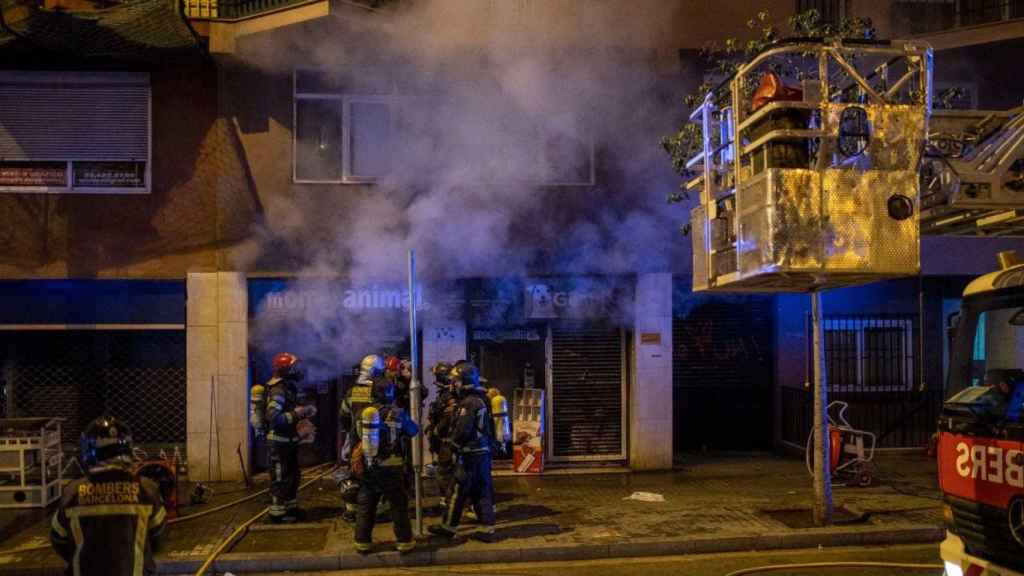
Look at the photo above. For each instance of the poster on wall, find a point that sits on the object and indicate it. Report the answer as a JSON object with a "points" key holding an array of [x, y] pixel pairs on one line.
{"points": [[33, 174], [528, 431]]}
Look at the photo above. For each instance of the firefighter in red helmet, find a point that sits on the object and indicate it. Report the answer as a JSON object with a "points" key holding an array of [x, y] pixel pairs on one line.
{"points": [[286, 423]]}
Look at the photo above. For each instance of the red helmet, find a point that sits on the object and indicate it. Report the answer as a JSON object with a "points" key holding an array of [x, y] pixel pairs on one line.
{"points": [[284, 363], [393, 364]]}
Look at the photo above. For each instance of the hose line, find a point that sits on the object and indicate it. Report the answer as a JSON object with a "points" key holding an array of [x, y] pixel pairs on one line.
{"points": [[245, 525], [810, 565], [171, 521]]}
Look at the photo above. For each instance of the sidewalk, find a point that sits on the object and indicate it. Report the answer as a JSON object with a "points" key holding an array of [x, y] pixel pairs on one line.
{"points": [[712, 504]]}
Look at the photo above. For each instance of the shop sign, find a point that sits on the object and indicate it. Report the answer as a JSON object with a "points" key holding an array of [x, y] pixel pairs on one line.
{"points": [[650, 338], [34, 174], [511, 335], [109, 174], [355, 299], [545, 300]]}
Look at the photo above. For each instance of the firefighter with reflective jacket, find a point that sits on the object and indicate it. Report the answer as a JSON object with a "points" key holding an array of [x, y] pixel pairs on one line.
{"points": [[108, 522], [471, 439], [384, 430], [287, 423], [440, 416], [357, 398]]}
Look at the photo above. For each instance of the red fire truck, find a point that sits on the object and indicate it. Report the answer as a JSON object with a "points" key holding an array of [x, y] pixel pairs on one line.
{"points": [[981, 433]]}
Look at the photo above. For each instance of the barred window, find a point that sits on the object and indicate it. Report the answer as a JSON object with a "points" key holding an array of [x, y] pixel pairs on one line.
{"points": [[868, 353], [830, 11]]}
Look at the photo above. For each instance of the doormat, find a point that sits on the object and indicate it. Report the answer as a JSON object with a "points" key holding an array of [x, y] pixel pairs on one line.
{"points": [[800, 518]]}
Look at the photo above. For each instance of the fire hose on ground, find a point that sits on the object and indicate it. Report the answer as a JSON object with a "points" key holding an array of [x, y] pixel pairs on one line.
{"points": [[245, 525], [218, 508], [810, 565]]}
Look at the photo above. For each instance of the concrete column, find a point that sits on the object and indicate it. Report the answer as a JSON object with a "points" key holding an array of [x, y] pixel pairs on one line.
{"points": [[217, 358], [443, 341], [650, 392]]}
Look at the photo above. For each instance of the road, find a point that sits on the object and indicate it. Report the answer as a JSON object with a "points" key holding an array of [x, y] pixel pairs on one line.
{"points": [[697, 565]]}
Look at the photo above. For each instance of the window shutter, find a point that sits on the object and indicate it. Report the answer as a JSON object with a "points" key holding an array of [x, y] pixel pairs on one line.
{"points": [[74, 116]]}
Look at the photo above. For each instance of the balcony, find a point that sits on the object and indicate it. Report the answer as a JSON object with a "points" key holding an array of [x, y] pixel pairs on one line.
{"points": [[222, 22], [949, 24]]}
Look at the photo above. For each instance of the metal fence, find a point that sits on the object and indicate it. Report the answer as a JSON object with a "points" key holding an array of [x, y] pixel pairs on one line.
{"points": [[872, 363], [79, 375], [899, 419]]}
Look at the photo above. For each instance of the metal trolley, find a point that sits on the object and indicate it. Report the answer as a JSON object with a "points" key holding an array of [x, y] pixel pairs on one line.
{"points": [[31, 462], [808, 177]]}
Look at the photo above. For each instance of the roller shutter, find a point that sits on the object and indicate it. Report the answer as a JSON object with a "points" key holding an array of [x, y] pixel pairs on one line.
{"points": [[587, 392], [93, 127]]}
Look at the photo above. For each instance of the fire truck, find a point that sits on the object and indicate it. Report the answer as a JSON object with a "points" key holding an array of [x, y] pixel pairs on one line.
{"points": [[981, 435]]}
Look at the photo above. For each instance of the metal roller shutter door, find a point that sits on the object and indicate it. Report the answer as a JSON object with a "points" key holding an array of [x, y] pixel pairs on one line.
{"points": [[587, 404], [74, 116]]}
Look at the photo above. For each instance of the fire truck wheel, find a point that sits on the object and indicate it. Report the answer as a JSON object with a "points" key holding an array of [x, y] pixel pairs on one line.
{"points": [[1015, 514]]}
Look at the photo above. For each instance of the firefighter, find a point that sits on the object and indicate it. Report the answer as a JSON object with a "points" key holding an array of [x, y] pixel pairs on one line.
{"points": [[384, 430], [358, 397], [471, 439], [286, 428], [440, 417], [110, 521]]}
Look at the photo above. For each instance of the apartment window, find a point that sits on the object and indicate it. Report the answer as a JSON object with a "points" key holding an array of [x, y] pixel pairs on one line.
{"points": [[74, 132], [870, 354], [567, 152], [923, 16], [340, 138], [830, 11]]}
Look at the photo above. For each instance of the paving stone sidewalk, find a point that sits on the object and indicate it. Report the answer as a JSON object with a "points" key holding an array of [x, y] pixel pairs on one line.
{"points": [[710, 503]]}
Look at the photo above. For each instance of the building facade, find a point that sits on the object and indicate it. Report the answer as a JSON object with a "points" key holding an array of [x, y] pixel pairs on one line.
{"points": [[266, 169]]}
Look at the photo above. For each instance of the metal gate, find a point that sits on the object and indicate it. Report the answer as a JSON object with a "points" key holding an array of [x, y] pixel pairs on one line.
{"points": [[723, 372], [587, 393], [137, 375]]}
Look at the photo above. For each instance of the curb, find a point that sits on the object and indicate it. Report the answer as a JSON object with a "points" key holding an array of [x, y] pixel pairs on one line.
{"points": [[811, 538]]}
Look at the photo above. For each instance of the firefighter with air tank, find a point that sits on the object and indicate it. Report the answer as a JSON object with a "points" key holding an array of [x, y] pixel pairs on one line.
{"points": [[286, 423], [357, 398], [379, 462], [471, 440]]}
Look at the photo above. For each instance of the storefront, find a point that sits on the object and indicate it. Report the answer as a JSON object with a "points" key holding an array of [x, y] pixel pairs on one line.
{"points": [[567, 336]]}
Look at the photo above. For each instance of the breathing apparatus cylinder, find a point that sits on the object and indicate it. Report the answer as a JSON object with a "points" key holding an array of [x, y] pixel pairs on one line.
{"points": [[258, 408], [370, 423], [502, 426]]}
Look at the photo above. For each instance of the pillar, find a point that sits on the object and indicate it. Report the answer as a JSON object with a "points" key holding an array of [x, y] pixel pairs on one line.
{"points": [[217, 358], [650, 394], [443, 341]]}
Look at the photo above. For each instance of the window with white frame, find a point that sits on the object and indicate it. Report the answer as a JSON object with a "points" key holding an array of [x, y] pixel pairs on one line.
{"points": [[75, 132], [340, 138], [864, 353]]}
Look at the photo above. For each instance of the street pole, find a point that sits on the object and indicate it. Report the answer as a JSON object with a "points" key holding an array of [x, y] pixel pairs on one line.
{"points": [[414, 396], [822, 473]]}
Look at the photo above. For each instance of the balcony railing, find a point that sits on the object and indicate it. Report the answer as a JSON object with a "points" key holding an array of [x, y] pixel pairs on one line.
{"points": [[234, 9], [913, 17]]}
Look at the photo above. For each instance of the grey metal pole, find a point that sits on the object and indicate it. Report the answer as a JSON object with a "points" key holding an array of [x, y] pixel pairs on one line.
{"points": [[414, 396], [822, 473]]}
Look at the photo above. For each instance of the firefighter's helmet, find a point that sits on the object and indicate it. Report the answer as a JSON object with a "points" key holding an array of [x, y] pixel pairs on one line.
{"points": [[465, 376], [106, 440], [285, 364], [393, 364], [441, 370], [371, 366]]}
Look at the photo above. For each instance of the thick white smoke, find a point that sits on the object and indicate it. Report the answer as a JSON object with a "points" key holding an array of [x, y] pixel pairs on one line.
{"points": [[482, 87]]}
